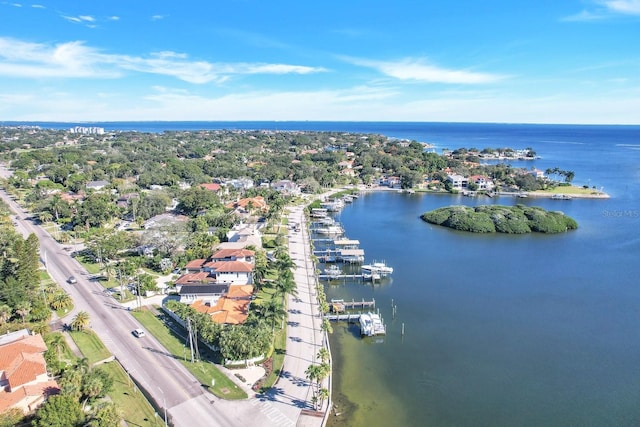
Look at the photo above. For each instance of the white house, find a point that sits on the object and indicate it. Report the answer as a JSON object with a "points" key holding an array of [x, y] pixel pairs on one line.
{"points": [[458, 182]]}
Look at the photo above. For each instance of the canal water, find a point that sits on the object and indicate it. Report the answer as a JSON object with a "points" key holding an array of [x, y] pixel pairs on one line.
{"points": [[500, 330]]}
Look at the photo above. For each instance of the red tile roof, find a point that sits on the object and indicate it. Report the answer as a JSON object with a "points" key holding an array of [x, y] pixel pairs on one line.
{"points": [[230, 266], [211, 187], [232, 253], [232, 308], [200, 277], [21, 363]]}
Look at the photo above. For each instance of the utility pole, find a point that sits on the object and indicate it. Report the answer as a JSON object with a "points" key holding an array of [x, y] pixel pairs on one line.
{"points": [[190, 337], [164, 405]]}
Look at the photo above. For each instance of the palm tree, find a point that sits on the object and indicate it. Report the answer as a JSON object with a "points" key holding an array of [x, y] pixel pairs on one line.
{"points": [[81, 321], [23, 309], [45, 216], [57, 343], [285, 287], [61, 300], [272, 311], [323, 355], [40, 328], [5, 314], [323, 395]]}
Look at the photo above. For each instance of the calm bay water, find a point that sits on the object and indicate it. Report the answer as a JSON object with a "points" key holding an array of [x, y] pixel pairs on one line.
{"points": [[500, 330]]}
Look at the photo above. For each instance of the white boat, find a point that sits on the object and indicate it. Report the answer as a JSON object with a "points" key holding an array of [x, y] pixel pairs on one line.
{"points": [[377, 267], [371, 276], [331, 229], [371, 325], [333, 271]]}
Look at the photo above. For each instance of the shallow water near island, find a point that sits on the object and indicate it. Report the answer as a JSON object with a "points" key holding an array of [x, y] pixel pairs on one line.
{"points": [[499, 330]]}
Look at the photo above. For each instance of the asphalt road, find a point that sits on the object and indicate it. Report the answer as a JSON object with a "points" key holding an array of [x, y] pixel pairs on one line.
{"points": [[163, 377]]}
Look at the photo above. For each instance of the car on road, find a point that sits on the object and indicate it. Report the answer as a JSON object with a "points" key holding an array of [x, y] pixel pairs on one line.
{"points": [[72, 280], [138, 333]]}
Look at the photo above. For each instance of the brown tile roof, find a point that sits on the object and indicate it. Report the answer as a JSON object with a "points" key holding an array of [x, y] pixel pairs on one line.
{"points": [[258, 202], [232, 308], [211, 187], [230, 253], [195, 264], [230, 266], [21, 363], [200, 277]]}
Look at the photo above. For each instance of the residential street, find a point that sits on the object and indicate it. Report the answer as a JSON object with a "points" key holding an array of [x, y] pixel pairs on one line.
{"points": [[162, 376]]}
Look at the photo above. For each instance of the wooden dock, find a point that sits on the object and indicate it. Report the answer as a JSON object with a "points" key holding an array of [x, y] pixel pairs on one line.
{"points": [[339, 276], [338, 305], [351, 317]]}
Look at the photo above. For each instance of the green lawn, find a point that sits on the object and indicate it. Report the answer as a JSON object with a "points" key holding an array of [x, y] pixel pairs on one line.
{"points": [[280, 345], [136, 410], [568, 189], [90, 345], [204, 371], [66, 355]]}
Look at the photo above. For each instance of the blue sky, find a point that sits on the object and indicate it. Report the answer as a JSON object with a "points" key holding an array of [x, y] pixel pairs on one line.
{"points": [[519, 61]]}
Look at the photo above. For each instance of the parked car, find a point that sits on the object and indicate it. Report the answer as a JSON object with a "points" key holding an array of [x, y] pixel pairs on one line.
{"points": [[138, 333], [72, 280]]}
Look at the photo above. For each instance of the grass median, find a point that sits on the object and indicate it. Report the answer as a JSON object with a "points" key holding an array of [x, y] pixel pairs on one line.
{"points": [[205, 371], [90, 345]]}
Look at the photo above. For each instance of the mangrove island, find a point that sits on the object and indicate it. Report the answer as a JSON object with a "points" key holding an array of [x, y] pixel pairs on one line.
{"points": [[517, 219]]}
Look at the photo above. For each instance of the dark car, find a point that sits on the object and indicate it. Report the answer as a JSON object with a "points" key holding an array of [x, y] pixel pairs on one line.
{"points": [[72, 280]]}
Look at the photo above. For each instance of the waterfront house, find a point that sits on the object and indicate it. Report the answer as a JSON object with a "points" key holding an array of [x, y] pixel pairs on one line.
{"points": [[231, 308], [286, 186], [206, 294], [458, 182], [483, 182]]}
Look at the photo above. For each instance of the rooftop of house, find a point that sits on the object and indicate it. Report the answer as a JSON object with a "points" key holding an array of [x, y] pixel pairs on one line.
{"points": [[232, 253], [21, 361], [232, 308], [209, 289]]}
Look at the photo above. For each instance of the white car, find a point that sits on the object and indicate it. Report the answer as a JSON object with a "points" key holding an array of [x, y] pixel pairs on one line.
{"points": [[139, 333]]}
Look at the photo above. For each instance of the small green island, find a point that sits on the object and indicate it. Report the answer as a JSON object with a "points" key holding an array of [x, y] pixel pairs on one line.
{"points": [[518, 219]]}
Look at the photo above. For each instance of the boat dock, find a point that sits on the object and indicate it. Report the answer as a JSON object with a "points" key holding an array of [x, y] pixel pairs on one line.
{"points": [[339, 305]]}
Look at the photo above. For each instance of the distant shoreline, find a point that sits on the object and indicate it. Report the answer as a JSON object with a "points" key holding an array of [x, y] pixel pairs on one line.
{"points": [[539, 194]]}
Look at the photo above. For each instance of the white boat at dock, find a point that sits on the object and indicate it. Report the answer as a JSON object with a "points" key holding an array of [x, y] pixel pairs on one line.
{"points": [[371, 325], [380, 268], [371, 276], [333, 271], [330, 229]]}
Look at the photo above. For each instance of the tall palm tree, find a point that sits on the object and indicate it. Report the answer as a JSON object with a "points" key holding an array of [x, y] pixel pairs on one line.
{"points": [[57, 343], [5, 314], [323, 395], [323, 355], [61, 300], [272, 311], [81, 321], [285, 287], [23, 309]]}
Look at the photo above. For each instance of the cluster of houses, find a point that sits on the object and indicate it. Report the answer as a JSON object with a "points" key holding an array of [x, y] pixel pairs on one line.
{"points": [[24, 381]]}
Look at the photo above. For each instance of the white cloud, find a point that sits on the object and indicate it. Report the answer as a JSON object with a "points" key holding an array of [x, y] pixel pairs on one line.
{"points": [[157, 17], [114, 18], [417, 70], [627, 7], [82, 19], [584, 15], [358, 103], [38, 6], [607, 9], [75, 59]]}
